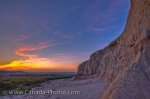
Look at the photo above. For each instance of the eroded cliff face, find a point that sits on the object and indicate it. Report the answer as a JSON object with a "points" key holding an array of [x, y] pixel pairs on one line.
{"points": [[125, 62]]}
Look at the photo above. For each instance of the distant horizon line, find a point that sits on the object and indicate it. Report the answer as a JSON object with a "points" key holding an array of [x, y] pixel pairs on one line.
{"points": [[35, 71]]}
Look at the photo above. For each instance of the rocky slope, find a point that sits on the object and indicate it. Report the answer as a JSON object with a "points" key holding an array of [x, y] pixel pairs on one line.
{"points": [[125, 62]]}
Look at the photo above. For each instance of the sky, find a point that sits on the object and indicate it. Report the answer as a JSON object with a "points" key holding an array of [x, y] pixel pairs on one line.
{"points": [[57, 35]]}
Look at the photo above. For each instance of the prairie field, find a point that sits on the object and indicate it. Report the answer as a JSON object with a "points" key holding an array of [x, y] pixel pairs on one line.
{"points": [[26, 82]]}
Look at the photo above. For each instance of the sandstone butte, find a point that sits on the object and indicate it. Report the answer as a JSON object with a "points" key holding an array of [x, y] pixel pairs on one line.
{"points": [[125, 62]]}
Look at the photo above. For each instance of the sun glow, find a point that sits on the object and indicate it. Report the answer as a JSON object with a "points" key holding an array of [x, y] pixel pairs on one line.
{"points": [[35, 62]]}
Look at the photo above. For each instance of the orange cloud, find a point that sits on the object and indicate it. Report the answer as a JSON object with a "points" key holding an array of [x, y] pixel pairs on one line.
{"points": [[22, 51], [35, 62]]}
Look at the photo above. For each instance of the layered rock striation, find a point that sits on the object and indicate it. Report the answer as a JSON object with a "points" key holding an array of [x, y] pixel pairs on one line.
{"points": [[125, 62]]}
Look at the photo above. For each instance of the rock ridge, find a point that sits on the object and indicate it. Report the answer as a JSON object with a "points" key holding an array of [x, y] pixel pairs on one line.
{"points": [[125, 62]]}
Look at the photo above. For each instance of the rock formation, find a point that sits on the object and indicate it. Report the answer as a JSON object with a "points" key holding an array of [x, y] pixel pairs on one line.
{"points": [[125, 62]]}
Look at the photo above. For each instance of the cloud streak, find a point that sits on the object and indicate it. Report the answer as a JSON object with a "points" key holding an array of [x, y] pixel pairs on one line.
{"points": [[23, 50], [67, 36], [37, 63]]}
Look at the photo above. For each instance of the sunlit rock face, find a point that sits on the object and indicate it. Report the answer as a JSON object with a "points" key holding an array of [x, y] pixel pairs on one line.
{"points": [[125, 62]]}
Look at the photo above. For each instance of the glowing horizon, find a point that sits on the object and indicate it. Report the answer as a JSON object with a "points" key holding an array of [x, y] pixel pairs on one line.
{"points": [[34, 62]]}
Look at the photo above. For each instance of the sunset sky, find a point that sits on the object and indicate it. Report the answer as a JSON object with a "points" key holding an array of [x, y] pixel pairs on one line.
{"points": [[56, 35]]}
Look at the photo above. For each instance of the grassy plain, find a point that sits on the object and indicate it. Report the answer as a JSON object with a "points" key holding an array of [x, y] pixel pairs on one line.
{"points": [[26, 82]]}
